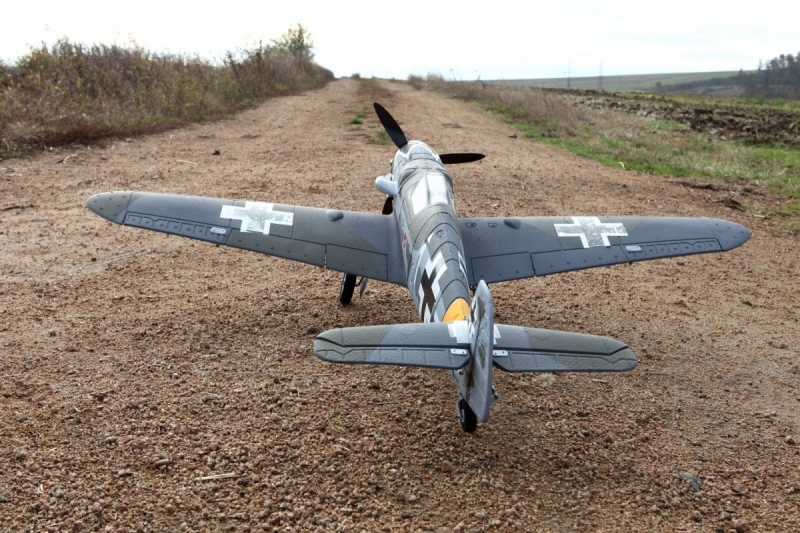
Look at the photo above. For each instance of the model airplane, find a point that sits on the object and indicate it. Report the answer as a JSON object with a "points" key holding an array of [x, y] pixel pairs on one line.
{"points": [[421, 243]]}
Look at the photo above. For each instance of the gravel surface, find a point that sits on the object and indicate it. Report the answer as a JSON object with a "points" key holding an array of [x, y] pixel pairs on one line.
{"points": [[153, 383]]}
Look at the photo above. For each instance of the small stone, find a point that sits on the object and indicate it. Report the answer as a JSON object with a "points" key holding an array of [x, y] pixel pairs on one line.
{"points": [[789, 440], [480, 515], [216, 152], [445, 467], [124, 473], [741, 527], [695, 483], [312, 330]]}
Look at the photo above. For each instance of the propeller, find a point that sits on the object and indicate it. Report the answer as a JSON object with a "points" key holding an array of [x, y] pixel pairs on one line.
{"points": [[390, 125], [455, 159], [399, 138]]}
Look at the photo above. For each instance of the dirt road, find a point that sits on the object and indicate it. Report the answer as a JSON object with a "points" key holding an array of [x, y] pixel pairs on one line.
{"points": [[153, 383]]}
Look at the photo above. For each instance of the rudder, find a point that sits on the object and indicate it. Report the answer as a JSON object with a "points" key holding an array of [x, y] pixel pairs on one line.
{"points": [[480, 393]]}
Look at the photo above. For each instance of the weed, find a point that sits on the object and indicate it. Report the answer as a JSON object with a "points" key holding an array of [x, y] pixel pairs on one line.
{"points": [[634, 142], [358, 119], [75, 93], [10, 151], [382, 138]]}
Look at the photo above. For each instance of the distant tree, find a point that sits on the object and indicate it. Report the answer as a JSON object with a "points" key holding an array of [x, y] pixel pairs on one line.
{"points": [[296, 41], [777, 78]]}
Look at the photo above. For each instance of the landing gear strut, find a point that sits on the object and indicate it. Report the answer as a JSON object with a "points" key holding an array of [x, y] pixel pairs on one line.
{"points": [[467, 417], [347, 287]]}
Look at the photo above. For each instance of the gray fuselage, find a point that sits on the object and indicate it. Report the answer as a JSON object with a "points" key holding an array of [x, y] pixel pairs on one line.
{"points": [[432, 247]]}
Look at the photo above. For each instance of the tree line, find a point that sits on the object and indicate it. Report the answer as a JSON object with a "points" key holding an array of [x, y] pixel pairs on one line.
{"points": [[778, 78]]}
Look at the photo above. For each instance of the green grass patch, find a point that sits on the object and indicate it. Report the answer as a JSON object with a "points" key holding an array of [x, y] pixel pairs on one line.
{"points": [[383, 138], [358, 119], [625, 140]]}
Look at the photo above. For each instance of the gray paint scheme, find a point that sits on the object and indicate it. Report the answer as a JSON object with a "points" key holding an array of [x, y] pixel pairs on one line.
{"points": [[503, 249], [358, 243], [431, 345]]}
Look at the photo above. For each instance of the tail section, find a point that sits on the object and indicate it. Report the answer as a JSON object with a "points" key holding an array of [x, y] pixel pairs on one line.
{"points": [[471, 348], [477, 388]]}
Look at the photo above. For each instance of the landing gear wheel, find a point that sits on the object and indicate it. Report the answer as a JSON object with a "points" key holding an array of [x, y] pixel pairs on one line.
{"points": [[347, 287], [467, 417]]}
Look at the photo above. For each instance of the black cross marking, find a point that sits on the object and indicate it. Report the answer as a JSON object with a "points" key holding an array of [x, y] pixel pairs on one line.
{"points": [[428, 299]]}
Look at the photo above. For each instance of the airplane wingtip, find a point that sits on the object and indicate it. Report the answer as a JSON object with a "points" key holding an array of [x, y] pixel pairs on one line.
{"points": [[730, 234], [110, 205]]}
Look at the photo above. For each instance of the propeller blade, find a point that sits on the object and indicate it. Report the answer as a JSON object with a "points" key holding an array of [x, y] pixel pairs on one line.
{"points": [[454, 159], [388, 206], [391, 126]]}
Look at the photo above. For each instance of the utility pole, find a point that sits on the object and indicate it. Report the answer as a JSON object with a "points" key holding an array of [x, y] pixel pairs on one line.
{"points": [[600, 81], [569, 75]]}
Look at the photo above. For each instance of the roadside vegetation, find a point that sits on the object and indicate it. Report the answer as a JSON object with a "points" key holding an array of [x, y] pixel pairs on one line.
{"points": [[71, 92], [364, 121], [689, 140]]}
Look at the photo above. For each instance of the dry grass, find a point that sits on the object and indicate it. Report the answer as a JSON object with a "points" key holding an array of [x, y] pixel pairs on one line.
{"points": [[623, 140], [548, 113], [76, 93]]}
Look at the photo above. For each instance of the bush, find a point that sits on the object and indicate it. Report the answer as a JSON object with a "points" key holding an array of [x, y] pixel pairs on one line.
{"points": [[74, 93]]}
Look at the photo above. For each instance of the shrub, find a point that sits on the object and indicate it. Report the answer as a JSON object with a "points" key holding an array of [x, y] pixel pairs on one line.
{"points": [[74, 93]]}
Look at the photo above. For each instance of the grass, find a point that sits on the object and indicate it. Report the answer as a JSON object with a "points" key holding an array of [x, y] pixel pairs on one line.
{"points": [[358, 119], [633, 142], [370, 90], [636, 82], [72, 93]]}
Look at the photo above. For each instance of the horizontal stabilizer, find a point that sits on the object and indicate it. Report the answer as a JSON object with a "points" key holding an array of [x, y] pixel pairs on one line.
{"points": [[516, 349], [520, 349], [421, 345]]}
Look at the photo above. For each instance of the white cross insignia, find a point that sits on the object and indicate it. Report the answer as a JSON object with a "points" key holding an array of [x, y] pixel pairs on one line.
{"points": [[257, 216], [591, 231]]}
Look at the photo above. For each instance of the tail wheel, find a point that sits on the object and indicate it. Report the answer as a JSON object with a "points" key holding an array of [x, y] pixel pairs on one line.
{"points": [[347, 287], [467, 417]]}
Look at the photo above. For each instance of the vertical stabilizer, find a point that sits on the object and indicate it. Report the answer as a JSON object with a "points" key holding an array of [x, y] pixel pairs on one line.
{"points": [[481, 395]]}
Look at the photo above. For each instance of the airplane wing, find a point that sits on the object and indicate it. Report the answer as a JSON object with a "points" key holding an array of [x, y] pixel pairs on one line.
{"points": [[502, 249], [364, 244], [437, 345]]}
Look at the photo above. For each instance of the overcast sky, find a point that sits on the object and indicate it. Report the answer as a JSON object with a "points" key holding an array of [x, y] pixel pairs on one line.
{"points": [[493, 39]]}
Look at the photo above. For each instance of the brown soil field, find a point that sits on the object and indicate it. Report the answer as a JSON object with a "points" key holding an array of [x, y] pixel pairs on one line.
{"points": [[739, 123], [154, 383]]}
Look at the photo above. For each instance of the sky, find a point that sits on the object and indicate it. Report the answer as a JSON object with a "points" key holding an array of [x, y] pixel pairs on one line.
{"points": [[465, 40]]}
